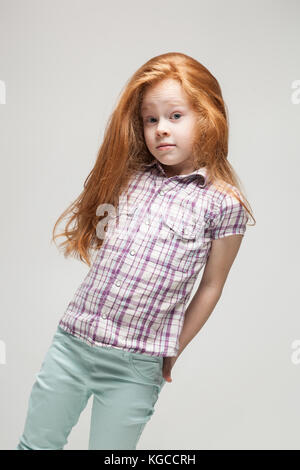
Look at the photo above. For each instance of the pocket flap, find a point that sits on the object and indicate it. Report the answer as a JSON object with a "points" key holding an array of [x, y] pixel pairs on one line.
{"points": [[185, 229]]}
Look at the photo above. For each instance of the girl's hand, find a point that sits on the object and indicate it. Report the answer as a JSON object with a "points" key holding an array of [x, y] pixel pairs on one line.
{"points": [[168, 364]]}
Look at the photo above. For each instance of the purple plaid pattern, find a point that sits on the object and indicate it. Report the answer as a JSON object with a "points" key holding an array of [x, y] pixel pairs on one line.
{"points": [[137, 289]]}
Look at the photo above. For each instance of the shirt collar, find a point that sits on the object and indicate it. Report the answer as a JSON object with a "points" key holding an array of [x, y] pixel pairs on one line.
{"points": [[201, 172]]}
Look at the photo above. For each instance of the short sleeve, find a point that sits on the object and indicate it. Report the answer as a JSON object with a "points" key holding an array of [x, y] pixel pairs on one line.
{"points": [[231, 219]]}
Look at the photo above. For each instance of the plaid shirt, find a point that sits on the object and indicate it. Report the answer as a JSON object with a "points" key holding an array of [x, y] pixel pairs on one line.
{"points": [[135, 294]]}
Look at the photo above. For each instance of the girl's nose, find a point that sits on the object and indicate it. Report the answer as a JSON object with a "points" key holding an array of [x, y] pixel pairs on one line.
{"points": [[162, 130]]}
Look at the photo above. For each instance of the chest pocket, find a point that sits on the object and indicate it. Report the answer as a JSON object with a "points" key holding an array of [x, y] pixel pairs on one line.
{"points": [[181, 242], [121, 224]]}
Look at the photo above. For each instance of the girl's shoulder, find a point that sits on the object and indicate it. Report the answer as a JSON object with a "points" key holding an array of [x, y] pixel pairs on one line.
{"points": [[226, 206], [224, 194]]}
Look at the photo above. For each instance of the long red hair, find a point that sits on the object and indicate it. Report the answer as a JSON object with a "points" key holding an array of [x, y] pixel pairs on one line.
{"points": [[124, 151]]}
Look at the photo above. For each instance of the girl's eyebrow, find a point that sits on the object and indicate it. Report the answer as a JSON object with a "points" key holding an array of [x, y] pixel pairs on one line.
{"points": [[144, 107]]}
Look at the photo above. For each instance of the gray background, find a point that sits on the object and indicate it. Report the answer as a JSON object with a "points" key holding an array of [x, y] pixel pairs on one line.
{"points": [[64, 63]]}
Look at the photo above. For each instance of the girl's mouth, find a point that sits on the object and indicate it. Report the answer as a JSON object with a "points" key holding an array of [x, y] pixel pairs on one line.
{"points": [[165, 147]]}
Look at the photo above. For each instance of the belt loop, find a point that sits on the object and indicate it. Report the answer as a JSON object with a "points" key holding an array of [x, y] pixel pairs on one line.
{"points": [[125, 354]]}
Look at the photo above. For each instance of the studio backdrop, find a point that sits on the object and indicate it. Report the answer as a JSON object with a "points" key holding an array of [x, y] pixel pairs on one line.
{"points": [[62, 67]]}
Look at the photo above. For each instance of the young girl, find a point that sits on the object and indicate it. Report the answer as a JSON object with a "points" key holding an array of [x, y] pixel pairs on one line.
{"points": [[161, 202]]}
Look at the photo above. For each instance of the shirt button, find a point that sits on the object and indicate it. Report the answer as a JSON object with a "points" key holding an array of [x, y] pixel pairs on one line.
{"points": [[132, 252], [118, 283], [104, 315], [161, 192]]}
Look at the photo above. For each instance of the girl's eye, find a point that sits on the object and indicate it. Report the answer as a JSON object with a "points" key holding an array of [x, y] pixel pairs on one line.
{"points": [[178, 114]]}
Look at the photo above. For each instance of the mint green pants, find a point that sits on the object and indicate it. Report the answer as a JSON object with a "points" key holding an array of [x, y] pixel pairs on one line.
{"points": [[125, 387]]}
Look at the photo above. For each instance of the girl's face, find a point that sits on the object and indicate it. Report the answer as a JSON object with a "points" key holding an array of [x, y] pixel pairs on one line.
{"points": [[168, 118]]}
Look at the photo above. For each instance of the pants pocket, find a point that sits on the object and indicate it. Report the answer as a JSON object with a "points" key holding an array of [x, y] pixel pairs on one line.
{"points": [[146, 367]]}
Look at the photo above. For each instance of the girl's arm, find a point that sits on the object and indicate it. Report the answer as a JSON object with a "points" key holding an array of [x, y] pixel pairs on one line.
{"points": [[221, 257]]}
